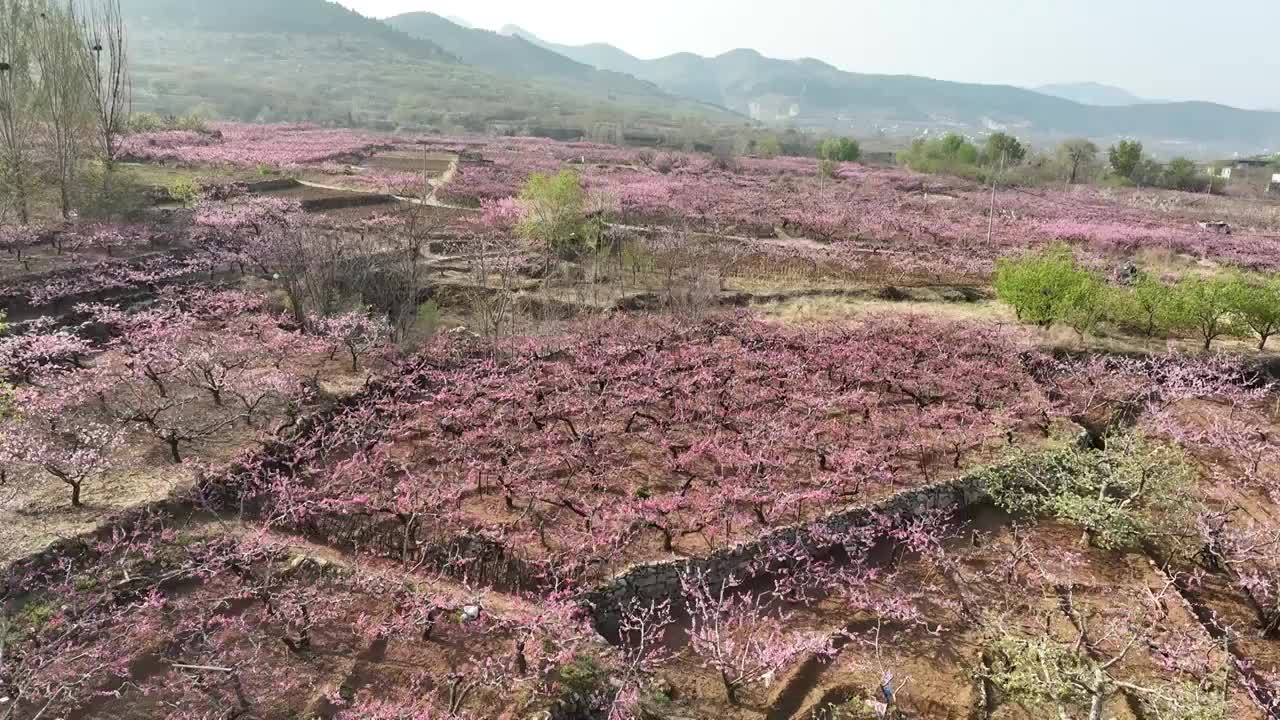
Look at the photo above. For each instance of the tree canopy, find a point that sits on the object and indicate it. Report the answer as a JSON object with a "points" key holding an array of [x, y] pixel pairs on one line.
{"points": [[1125, 157], [840, 150]]}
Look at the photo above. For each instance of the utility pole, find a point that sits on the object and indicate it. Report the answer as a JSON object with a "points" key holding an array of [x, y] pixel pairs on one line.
{"points": [[991, 214]]}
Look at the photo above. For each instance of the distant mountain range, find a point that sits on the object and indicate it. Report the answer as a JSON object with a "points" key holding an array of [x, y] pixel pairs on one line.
{"points": [[812, 93], [303, 17], [315, 60], [1092, 93], [516, 57]]}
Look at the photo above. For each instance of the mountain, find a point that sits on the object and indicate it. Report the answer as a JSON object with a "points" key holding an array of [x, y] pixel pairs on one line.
{"points": [[459, 21], [1091, 93], [599, 55], [812, 93], [519, 59], [313, 60], [302, 17], [487, 49]]}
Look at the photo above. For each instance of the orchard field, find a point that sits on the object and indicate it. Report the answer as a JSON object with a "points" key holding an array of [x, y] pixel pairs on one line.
{"points": [[331, 424]]}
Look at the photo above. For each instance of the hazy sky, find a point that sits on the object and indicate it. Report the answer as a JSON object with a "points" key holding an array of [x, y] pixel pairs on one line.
{"points": [[1225, 50]]}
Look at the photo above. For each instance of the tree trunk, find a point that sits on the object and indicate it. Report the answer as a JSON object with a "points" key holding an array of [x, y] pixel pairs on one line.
{"points": [[521, 664], [1095, 709], [75, 494], [20, 192], [172, 442], [730, 690]]}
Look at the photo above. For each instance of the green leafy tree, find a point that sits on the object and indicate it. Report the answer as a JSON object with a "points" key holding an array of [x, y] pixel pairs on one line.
{"points": [[955, 147], [1050, 287], [1077, 154], [1003, 148], [1132, 491], [1205, 306], [949, 154], [840, 150], [555, 212], [1256, 302], [1083, 303], [1146, 305], [1125, 157], [768, 146], [1149, 173], [1183, 174]]}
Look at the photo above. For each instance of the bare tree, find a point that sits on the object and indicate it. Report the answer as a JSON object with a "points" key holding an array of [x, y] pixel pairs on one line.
{"points": [[104, 66], [1077, 154], [63, 101], [17, 102], [494, 265]]}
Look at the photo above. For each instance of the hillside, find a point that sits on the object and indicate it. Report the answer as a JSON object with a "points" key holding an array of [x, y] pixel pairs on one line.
{"points": [[303, 17], [812, 93], [515, 57], [314, 60], [1091, 93]]}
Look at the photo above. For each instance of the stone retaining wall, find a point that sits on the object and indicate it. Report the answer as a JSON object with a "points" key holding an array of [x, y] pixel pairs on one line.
{"points": [[661, 580]]}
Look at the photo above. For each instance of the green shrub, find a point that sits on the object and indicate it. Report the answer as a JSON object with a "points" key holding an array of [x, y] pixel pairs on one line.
{"points": [[146, 122], [768, 146], [185, 191], [1049, 676], [583, 689], [153, 122], [428, 318], [194, 122], [840, 150], [556, 213], [654, 705], [951, 154], [1039, 672], [1130, 492], [1183, 174], [34, 617]]}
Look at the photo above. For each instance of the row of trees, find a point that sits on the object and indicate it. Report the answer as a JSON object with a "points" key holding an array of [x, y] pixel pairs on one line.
{"points": [[744, 395], [1054, 288], [1072, 161], [65, 96], [184, 373], [1129, 162], [955, 153]]}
